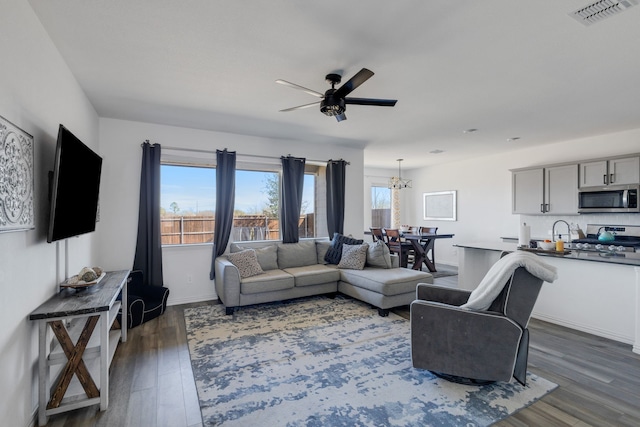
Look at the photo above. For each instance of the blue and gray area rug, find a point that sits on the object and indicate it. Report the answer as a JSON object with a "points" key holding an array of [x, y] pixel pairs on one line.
{"points": [[329, 362]]}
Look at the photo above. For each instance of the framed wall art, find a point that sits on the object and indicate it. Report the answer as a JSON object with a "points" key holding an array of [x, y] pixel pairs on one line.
{"points": [[16, 178], [440, 205]]}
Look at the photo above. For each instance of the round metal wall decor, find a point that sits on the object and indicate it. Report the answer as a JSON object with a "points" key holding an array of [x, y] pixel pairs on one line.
{"points": [[16, 178]]}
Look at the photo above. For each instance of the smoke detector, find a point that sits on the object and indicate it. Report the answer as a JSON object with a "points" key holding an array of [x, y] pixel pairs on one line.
{"points": [[600, 10]]}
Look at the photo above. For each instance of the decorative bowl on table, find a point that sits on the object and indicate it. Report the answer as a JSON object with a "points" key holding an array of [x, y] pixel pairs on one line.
{"points": [[547, 246]]}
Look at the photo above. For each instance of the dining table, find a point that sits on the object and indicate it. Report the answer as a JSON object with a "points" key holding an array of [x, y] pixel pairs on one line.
{"points": [[423, 243]]}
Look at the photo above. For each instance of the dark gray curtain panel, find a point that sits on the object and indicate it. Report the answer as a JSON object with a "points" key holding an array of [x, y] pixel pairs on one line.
{"points": [[148, 257], [291, 200], [336, 171], [225, 201]]}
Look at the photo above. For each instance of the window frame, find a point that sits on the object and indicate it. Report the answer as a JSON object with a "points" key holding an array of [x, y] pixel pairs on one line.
{"points": [[180, 159], [371, 205]]}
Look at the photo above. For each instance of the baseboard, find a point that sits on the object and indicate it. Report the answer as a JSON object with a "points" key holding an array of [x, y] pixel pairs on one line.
{"points": [[588, 329], [189, 300]]}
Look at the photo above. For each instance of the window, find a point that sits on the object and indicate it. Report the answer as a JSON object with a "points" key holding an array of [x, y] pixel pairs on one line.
{"points": [[187, 204], [187, 212], [380, 206], [255, 215]]}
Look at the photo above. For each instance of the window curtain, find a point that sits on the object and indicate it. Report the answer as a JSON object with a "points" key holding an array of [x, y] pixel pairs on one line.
{"points": [[291, 201], [225, 201], [336, 171], [148, 257]]}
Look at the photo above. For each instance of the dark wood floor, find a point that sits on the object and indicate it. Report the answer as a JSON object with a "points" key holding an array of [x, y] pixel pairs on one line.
{"points": [[151, 382]]}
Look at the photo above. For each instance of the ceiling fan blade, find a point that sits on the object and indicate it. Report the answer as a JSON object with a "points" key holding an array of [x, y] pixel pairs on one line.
{"points": [[302, 88], [341, 117], [371, 101], [300, 107], [355, 81]]}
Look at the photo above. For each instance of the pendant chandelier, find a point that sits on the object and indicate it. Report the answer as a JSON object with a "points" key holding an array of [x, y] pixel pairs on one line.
{"points": [[396, 182]]}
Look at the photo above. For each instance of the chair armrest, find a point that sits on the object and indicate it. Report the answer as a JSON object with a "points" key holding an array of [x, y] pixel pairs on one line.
{"points": [[135, 311], [443, 294], [227, 282]]}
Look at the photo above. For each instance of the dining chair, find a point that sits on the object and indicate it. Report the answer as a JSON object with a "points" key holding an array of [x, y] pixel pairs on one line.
{"points": [[428, 230], [396, 245], [377, 234]]}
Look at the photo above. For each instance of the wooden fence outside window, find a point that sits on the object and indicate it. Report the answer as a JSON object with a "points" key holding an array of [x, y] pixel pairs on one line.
{"points": [[188, 230]]}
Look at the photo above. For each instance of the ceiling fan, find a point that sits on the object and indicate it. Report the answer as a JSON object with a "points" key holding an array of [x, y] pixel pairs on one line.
{"points": [[334, 100]]}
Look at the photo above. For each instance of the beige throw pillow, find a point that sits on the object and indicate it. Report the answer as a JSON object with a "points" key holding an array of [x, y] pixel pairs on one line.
{"points": [[353, 256], [267, 256], [247, 263]]}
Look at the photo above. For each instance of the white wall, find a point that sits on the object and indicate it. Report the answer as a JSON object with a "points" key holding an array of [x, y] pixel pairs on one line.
{"points": [[37, 92], [484, 191], [120, 141]]}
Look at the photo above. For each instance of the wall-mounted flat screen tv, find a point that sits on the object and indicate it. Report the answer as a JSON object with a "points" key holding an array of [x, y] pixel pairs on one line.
{"points": [[75, 188]]}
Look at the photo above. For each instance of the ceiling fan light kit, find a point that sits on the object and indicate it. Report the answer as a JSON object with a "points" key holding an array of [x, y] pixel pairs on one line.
{"points": [[334, 100]]}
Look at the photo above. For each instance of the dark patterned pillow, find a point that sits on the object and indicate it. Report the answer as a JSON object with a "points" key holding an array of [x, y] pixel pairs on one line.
{"points": [[353, 256], [334, 253], [247, 263]]}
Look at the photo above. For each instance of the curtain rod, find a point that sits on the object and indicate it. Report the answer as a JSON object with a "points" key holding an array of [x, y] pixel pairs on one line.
{"points": [[196, 150]]}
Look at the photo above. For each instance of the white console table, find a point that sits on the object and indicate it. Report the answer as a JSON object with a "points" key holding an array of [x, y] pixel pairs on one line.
{"points": [[72, 316]]}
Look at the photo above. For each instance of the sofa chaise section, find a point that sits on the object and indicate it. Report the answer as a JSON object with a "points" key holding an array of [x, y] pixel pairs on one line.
{"points": [[383, 288]]}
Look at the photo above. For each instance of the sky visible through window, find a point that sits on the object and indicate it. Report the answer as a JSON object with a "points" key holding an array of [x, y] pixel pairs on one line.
{"points": [[193, 190]]}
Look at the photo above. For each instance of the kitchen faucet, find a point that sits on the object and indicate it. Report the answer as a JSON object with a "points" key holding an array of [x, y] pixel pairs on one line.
{"points": [[553, 229]]}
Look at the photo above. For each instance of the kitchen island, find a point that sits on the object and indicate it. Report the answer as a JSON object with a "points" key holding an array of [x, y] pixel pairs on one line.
{"points": [[596, 292]]}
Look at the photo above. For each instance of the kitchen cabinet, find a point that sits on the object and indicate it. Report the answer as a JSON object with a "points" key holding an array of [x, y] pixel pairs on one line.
{"points": [[616, 171], [551, 190]]}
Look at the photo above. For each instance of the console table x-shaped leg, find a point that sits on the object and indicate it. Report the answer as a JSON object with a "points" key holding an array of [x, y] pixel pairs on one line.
{"points": [[75, 364]]}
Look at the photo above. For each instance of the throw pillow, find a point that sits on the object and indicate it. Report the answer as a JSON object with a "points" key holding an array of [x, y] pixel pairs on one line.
{"points": [[267, 256], [334, 253], [353, 256], [378, 255], [247, 263]]}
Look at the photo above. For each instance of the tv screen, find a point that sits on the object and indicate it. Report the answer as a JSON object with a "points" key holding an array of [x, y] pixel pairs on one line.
{"points": [[75, 188]]}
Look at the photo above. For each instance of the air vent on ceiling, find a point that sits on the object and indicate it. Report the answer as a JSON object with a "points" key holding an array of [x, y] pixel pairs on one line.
{"points": [[602, 9]]}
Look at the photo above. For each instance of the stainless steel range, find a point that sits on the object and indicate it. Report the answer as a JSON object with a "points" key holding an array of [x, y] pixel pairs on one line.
{"points": [[600, 237]]}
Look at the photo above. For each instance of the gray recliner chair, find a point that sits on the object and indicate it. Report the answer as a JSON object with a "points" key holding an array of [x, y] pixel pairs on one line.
{"points": [[474, 346]]}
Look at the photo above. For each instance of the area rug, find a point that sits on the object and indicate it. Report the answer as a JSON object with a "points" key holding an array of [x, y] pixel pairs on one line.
{"points": [[329, 362]]}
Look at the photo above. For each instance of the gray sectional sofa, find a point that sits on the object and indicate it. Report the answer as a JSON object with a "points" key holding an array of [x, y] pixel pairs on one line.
{"points": [[293, 270]]}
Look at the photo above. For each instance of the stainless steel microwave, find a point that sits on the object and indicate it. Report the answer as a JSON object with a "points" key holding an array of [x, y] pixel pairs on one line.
{"points": [[610, 198]]}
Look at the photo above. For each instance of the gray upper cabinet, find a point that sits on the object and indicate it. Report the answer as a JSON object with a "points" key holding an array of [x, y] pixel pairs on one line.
{"points": [[617, 171], [528, 191], [561, 189], [553, 190]]}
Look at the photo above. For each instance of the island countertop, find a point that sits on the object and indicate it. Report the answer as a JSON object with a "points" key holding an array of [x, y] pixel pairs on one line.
{"points": [[600, 296], [624, 258]]}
